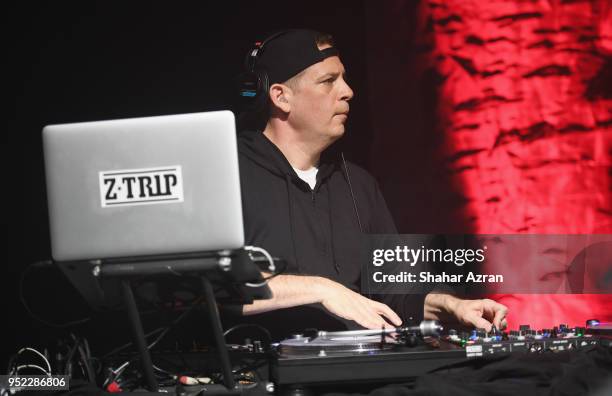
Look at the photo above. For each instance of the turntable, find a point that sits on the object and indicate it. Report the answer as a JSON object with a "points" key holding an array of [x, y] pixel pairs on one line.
{"points": [[319, 358], [335, 343]]}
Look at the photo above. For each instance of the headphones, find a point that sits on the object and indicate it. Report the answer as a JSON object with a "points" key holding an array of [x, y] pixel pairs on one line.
{"points": [[254, 84]]}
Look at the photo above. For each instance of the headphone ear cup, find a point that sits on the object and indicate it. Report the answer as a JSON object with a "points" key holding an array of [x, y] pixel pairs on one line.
{"points": [[263, 90], [253, 85], [253, 88]]}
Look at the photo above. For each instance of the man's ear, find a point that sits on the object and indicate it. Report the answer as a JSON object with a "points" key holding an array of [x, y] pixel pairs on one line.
{"points": [[280, 96]]}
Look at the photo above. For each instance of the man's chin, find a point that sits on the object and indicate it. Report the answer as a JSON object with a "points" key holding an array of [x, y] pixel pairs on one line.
{"points": [[336, 134], [338, 131]]}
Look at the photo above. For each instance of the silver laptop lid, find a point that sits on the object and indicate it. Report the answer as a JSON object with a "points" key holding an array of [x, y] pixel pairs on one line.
{"points": [[143, 186]]}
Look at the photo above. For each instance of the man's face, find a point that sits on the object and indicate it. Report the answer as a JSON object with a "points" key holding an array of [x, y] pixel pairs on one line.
{"points": [[319, 105]]}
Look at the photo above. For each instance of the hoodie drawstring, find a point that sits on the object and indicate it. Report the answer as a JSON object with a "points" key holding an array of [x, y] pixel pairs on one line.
{"points": [[331, 229], [291, 225]]}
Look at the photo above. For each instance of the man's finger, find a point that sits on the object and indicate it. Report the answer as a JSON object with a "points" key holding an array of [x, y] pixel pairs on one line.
{"points": [[363, 319], [376, 323], [384, 309], [503, 324], [365, 323], [500, 315], [368, 318], [379, 321], [479, 322], [496, 311]]}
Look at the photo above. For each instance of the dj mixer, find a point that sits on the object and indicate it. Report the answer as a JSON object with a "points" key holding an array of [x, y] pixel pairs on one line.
{"points": [[322, 357], [558, 338]]}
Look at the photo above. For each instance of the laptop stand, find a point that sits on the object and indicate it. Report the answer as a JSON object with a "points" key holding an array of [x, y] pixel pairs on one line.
{"points": [[228, 264]]}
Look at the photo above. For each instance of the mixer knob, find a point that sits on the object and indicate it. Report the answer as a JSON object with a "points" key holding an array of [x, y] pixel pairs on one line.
{"points": [[535, 347]]}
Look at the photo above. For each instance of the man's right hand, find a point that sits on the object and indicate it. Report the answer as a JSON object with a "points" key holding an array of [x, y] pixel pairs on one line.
{"points": [[294, 290], [342, 301]]}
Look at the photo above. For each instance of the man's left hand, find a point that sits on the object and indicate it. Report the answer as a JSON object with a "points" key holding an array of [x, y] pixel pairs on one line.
{"points": [[482, 313]]}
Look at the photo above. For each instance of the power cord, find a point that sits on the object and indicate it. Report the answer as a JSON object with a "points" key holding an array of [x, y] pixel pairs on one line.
{"points": [[80, 348], [264, 252], [12, 369], [163, 331], [271, 265]]}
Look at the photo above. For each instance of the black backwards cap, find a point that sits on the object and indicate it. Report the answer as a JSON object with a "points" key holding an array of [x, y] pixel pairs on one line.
{"points": [[287, 53], [280, 57]]}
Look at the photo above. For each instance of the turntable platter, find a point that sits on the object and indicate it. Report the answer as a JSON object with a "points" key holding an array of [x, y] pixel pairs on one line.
{"points": [[334, 345]]}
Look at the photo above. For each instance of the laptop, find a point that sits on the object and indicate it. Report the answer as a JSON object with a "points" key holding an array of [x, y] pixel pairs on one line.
{"points": [[143, 186]]}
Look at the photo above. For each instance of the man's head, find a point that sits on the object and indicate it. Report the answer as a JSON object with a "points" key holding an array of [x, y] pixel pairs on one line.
{"points": [[307, 89]]}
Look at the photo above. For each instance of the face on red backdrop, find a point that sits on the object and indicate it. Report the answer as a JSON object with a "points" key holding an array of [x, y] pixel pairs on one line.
{"points": [[534, 264], [549, 279], [540, 264]]}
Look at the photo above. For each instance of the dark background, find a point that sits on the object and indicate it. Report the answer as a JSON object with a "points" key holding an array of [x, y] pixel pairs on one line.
{"points": [[86, 61]]}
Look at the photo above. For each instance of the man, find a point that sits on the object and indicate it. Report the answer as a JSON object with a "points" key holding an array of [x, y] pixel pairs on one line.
{"points": [[312, 212]]}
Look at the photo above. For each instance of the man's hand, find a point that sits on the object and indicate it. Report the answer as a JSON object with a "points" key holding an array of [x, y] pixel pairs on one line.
{"points": [[482, 314], [347, 304], [293, 290]]}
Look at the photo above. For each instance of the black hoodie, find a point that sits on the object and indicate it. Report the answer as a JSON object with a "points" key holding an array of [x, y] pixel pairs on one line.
{"points": [[316, 231]]}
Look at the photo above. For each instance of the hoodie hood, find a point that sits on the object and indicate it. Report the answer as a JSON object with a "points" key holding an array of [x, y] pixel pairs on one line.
{"points": [[258, 148]]}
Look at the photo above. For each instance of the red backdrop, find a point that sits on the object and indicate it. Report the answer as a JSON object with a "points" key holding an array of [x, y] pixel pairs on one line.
{"points": [[520, 121]]}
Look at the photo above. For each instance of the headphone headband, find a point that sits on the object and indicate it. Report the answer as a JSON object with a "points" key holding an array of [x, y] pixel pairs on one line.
{"points": [[257, 50], [287, 58]]}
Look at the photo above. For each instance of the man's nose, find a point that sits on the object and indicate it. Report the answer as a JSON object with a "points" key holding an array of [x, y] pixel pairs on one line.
{"points": [[347, 92]]}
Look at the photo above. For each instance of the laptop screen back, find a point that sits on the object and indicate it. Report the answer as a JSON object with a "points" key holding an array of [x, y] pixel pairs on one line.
{"points": [[143, 186]]}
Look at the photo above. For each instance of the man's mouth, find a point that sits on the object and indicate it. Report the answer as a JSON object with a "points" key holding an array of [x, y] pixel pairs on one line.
{"points": [[342, 116]]}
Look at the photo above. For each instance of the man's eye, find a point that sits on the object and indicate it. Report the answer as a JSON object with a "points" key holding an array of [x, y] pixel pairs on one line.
{"points": [[329, 81]]}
